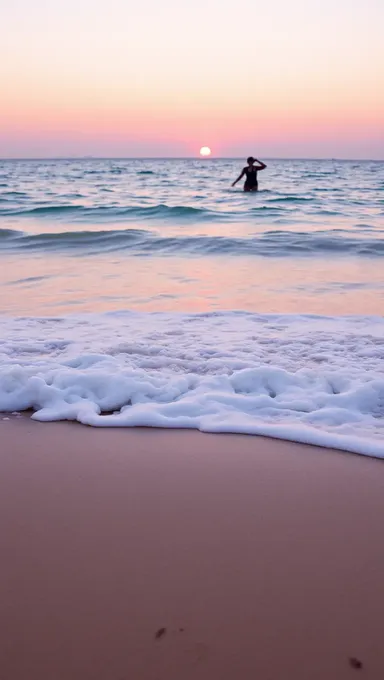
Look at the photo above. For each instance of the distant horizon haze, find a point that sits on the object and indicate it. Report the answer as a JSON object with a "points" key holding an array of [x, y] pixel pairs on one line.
{"points": [[187, 158]]}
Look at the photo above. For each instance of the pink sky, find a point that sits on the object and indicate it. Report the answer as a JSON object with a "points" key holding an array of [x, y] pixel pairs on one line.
{"points": [[304, 78]]}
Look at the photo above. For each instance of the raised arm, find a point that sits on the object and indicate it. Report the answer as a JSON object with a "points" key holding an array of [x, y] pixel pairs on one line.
{"points": [[261, 165], [239, 177]]}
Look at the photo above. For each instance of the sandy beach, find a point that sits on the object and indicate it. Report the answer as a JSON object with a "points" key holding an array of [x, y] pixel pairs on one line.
{"points": [[149, 555]]}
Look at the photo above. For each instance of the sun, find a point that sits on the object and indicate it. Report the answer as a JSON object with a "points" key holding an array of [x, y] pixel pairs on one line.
{"points": [[205, 151]]}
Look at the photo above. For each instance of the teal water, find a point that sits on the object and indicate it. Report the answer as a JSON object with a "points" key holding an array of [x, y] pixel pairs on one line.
{"points": [[172, 234]]}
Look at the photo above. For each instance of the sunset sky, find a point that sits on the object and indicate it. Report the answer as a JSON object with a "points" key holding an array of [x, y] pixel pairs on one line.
{"points": [[303, 78]]}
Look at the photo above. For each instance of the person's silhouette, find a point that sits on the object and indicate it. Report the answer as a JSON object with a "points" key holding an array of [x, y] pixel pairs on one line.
{"points": [[250, 174]]}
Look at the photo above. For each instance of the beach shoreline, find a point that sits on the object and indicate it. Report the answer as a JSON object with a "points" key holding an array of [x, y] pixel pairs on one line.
{"points": [[145, 553]]}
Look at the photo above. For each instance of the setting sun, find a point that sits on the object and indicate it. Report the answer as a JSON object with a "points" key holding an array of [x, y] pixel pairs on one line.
{"points": [[205, 151]]}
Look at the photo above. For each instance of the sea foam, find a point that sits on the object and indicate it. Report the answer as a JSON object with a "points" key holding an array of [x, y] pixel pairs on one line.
{"points": [[309, 379]]}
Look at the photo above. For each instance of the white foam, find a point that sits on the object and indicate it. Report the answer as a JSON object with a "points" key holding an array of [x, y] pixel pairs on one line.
{"points": [[311, 379]]}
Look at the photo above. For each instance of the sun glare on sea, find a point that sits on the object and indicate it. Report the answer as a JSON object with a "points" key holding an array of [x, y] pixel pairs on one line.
{"points": [[205, 151]]}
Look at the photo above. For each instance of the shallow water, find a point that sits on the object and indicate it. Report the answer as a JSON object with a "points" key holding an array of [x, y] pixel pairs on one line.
{"points": [[97, 235], [151, 293]]}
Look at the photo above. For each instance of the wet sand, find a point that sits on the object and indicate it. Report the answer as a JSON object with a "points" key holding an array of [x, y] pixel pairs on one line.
{"points": [[173, 555]]}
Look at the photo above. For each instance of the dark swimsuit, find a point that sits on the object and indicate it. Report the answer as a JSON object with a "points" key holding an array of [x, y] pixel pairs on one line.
{"points": [[251, 183]]}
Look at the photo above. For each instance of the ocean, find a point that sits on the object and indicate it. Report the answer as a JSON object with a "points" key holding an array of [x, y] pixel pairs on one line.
{"points": [[149, 292]]}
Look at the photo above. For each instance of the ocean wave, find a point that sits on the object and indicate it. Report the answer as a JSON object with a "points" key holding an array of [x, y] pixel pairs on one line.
{"points": [[14, 194], [146, 242], [111, 213], [50, 210], [271, 206], [10, 234], [306, 378], [291, 199]]}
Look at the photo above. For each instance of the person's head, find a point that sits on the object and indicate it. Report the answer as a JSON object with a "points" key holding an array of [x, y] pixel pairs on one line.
{"points": [[250, 160]]}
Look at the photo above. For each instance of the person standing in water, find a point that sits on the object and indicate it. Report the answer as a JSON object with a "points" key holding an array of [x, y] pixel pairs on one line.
{"points": [[250, 174]]}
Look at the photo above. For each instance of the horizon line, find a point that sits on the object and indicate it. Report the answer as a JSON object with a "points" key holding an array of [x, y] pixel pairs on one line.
{"points": [[184, 158]]}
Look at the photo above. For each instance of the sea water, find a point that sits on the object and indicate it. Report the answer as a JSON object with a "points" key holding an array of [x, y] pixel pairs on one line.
{"points": [[148, 292]]}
